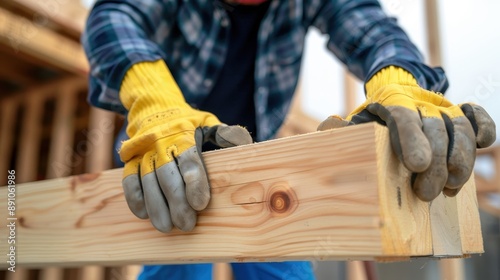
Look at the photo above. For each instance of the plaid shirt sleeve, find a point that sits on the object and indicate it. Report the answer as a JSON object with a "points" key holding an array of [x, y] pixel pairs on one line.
{"points": [[364, 38], [119, 34]]}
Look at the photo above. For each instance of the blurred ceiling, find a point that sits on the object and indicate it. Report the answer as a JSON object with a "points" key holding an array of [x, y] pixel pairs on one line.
{"points": [[39, 42]]}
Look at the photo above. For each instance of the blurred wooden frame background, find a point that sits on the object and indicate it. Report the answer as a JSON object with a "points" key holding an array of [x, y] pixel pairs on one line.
{"points": [[48, 130]]}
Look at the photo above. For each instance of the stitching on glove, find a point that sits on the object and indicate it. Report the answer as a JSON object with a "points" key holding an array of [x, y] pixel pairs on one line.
{"points": [[152, 162], [171, 152]]}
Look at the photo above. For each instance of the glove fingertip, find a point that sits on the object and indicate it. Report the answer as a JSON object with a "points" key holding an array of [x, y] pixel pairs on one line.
{"points": [[134, 196], [482, 123], [162, 226], [451, 192], [185, 220], [418, 160], [429, 184], [332, 122], [234, 135], [197, 198]]}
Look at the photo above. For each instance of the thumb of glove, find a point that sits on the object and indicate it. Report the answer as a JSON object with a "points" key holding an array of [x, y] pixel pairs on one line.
{"points": [[223, 136], [332, 122]]}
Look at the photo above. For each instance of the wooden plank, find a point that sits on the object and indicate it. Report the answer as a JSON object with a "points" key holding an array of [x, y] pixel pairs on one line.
{"points": [[21, 35], [469, 229], [337, 194], [445, 226], [468, 219], [458, 231], [407, 213]]}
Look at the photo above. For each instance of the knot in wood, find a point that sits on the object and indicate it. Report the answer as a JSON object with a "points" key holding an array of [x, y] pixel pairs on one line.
{"points": [[280, 202]]}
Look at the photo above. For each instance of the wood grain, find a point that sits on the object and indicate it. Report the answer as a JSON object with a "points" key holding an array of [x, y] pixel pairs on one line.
{"points": [[445, 227], [337, 194], [468, 219]]}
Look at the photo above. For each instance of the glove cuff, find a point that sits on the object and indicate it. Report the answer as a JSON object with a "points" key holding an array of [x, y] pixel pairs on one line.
{"points": [[152, 82], [389, 75], [147, 91]]}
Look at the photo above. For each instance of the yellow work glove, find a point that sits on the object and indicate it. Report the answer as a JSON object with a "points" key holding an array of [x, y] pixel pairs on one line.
{"points": [[164, 176], [433, 138]]}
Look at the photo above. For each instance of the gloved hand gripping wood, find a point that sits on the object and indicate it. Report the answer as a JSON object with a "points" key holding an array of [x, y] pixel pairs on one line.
{"points": [[164, 176], [432, 137]]}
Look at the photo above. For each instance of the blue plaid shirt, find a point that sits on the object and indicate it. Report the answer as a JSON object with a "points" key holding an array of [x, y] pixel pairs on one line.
{"points": [[192, 38]]}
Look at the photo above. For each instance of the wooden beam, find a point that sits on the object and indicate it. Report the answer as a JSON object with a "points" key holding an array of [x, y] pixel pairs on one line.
{"points": [[59, 161], [92, 272], [70, 15], [20, 274], [336, 194], [21, 35], [7, 73], [51, 273], [100, 135], [468, 219], [29, 140]]}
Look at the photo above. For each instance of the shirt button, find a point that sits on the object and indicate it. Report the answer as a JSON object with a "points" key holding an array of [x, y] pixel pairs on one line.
{"points": [[207, 83], [224, 22], [262, 90]]}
